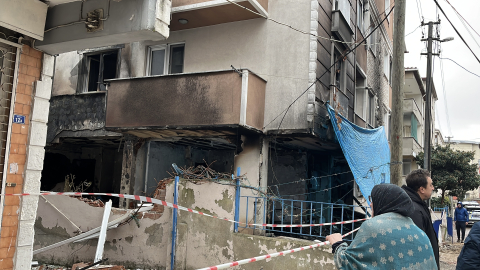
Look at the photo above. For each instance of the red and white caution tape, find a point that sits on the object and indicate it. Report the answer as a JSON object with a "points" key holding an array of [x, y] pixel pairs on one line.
{"points": [[171, 205], [273, 255]]}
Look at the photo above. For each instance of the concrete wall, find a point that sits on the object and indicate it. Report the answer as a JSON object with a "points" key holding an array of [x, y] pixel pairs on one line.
{"points": [[123, 22], [276, 53], [201, 241]]}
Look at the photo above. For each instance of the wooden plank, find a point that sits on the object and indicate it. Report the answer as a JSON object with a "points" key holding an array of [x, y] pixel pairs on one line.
{"points": [[326, 6]]}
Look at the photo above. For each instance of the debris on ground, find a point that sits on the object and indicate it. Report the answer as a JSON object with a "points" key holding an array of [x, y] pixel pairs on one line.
{"points": [[94, 203], [449, 253], [199, 173]]}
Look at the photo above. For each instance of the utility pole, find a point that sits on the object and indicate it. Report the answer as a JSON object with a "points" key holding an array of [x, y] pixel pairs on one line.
{"points": [[398, 81], [448, 137], [427, 145]]}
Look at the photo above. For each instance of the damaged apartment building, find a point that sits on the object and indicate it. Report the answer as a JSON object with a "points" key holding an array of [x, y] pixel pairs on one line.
{"points": [[142, 87], [219, 91]]}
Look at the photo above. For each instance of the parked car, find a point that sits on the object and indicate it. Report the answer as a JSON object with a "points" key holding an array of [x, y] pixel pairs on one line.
{"points": [[473, 209], [474, 216]]}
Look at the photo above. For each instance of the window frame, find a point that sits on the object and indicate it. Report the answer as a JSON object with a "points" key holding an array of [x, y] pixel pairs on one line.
{"points": [[167, 60], [361, 16], [373, 39], [84, 69], [337, 54], [387, 9]]}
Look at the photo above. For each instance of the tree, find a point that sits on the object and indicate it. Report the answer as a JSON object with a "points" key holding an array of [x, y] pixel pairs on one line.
{"points": [[452, 171]]}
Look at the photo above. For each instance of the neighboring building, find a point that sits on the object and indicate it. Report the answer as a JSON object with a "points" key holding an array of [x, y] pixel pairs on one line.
{"points": [[469, 146], [438, 138], [414, 118], [28, 39]]}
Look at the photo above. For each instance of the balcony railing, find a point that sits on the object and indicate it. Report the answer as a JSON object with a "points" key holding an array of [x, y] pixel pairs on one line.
{"points": [[411, 147], [410, 106], [211, 100]]}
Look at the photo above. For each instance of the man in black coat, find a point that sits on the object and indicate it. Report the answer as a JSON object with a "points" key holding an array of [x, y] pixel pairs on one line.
{"points": [[419, 187]]}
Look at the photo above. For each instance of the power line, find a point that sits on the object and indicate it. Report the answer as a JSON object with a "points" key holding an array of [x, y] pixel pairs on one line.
{"points": [[287, 25], [458, 13], [445, 97], [460, 66], [285, 111], [458, 33], [307, 179]]}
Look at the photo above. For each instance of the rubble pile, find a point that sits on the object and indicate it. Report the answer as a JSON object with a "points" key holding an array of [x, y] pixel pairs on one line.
{"points": [[94, 203], [200, 173]]}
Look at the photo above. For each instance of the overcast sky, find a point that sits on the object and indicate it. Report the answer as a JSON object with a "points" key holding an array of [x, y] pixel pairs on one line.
{"points": [[462, 89]]}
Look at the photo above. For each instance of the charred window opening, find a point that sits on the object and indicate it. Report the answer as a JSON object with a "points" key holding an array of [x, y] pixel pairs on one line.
{"points": [[74, 166], [96, 68]]}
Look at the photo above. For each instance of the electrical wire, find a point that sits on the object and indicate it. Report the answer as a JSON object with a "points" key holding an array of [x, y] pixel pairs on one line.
{"points": [[285, 111], [413, 31], [444, 58], [289, 26], [313, 177], [454, 28], [445, 97], [458, 13]]}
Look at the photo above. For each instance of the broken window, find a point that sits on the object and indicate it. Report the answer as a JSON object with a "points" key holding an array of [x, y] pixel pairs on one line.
{"points": [[100, 67], [339, 70], [97, 66], [165, 59]]}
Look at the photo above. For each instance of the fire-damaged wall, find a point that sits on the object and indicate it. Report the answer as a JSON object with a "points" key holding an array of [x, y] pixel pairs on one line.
{"points": [[154, 162], [77, 116], [201, 241]]}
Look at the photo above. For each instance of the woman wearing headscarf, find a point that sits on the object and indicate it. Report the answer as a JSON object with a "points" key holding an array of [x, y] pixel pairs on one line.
{"points": [[389, 240]]}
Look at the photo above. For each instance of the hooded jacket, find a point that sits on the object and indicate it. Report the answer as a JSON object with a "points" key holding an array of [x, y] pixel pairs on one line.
{"points": [[461, 214], [469, 258], [422, 218]]}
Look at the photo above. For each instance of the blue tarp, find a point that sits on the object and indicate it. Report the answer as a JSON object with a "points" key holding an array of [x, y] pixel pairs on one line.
{"points": [[366, 150]]}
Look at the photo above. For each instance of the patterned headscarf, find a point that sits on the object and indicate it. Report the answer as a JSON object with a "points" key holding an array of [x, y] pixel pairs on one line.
{"points": [[389, 198]]}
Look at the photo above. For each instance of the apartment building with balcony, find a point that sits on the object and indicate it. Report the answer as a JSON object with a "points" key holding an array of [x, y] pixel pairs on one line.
{"points": [[469, 146], [414, 118]]}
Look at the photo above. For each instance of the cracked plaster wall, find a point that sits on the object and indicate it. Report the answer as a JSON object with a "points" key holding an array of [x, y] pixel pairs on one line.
{"points": [[201, 241]]}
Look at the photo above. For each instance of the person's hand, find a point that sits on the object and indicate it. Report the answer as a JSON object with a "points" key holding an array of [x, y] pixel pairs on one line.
{"points": [[466, 223], [333, 238]]}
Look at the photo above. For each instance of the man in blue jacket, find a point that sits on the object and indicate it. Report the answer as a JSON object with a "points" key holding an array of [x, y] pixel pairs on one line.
{"points": [[469, 258], [461, 220]]}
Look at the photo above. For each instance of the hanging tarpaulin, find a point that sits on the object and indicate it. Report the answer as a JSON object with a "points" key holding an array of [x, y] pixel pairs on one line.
{"points": [[366, 151]]}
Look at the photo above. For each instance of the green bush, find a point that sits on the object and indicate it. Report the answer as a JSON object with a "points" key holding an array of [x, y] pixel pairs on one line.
{"points": [[437, 202]]}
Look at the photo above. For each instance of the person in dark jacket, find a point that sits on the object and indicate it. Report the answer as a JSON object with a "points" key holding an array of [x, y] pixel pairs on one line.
{"points": [[461, 220], [469, 258], [419, 188]]}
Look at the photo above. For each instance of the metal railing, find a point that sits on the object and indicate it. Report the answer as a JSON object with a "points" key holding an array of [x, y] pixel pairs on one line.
{"points": [[294, 212]]}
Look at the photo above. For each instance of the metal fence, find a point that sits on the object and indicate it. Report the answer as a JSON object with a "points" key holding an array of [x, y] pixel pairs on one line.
{"points": [[261, 210]]}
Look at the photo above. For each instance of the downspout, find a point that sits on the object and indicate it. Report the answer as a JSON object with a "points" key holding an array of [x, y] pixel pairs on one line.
{"points": [[9, 130]]}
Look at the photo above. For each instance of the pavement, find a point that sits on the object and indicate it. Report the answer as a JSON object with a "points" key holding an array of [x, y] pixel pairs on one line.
{"points": [[449, 252]]}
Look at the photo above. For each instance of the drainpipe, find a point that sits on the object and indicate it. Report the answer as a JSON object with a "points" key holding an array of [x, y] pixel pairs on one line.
{"points": [[147, 162], [174, 227]]}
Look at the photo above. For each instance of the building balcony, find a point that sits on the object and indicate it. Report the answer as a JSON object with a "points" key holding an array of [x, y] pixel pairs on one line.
{"points": [[410, 106], [79, 25], [411, 147], [187, 14], [187, 105]]}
